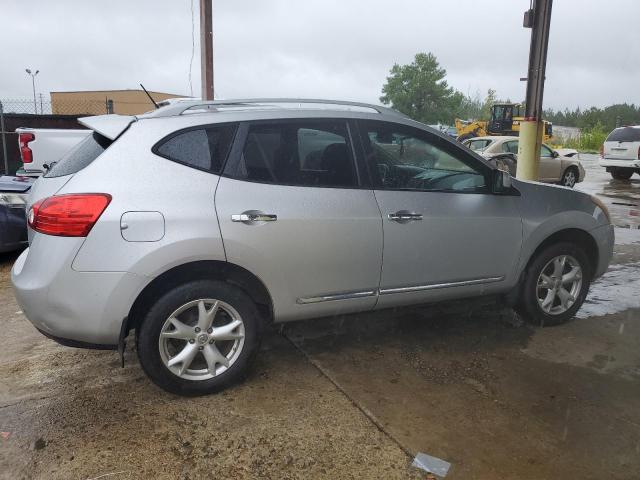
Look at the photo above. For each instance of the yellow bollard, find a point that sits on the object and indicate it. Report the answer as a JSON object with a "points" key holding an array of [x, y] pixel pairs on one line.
{"points": [[529, 150]]}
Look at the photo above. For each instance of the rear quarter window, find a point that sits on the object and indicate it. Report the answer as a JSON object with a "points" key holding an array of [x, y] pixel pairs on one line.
{"points": [[624, 134], [202, 148], [80, 156]]}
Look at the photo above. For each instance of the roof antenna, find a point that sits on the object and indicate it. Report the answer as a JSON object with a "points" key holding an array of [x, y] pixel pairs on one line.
{"points": [[150, 97]]}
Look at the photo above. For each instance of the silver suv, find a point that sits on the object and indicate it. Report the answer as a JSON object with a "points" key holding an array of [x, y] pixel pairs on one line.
{"points": [[198, 223]]}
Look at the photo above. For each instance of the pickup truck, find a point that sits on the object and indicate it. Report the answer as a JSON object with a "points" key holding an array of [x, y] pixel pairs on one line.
{"points": [[43, 146]]}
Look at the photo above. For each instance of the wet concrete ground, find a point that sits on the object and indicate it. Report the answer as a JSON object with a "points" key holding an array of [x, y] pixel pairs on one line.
{"points": [[352, 397]]}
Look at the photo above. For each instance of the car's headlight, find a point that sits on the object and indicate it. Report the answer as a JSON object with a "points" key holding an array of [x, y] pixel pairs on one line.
{"points": [[13, 200], [600, 204]]}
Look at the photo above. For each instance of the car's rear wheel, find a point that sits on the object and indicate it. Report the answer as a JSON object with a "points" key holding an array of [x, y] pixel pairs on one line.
{"points": [[621, 173], [569, 177], [199, 338], [556, 284]]}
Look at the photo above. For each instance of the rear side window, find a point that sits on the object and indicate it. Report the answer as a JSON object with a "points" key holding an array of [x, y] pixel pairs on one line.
{"points": [[80, 156], [204, 148], [300, 153], [624, 134]]}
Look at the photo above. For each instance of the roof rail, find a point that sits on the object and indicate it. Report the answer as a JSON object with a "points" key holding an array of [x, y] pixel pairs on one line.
{"points": [[179, 106]]}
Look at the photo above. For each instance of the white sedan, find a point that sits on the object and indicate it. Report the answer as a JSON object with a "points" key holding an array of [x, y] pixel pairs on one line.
{"points": [[564, 169]]}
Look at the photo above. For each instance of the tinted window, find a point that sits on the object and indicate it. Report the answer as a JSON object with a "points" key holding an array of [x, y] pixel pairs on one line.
{"points": [[80, 156], [624, 134], [201, 148], [406, 158], [307, 153]]}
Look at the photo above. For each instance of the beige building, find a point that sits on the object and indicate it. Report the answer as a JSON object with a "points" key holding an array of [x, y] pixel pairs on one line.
{"points": [[98, 102]]}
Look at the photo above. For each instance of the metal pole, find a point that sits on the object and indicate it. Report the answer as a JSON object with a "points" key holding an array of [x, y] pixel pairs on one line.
{"points": [[4, 141], [206, 49], [531, 129], [33, 84]]}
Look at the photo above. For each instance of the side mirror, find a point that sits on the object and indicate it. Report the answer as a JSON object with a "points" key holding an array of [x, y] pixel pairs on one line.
{"points": [[501, 182], [554, 154]]}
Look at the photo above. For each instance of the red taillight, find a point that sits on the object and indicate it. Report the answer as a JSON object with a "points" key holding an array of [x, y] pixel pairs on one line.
{"points": [[72, 215], [602, 150], [25, 151]]}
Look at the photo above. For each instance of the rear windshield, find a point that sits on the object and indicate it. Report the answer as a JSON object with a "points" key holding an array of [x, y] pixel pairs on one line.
{"points": [[624, 134], [79, 156]]}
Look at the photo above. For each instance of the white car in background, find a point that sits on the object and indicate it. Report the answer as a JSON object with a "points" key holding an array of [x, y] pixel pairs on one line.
{"points": [[620, 153], [564, 169]]}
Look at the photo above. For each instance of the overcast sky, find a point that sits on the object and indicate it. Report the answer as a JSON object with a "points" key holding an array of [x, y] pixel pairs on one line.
{"points": [[341, 49]]}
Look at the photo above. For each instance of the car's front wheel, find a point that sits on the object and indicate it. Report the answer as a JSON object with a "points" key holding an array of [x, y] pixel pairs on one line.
{"points": [[569, 177], [556, 284], [199, 338]]}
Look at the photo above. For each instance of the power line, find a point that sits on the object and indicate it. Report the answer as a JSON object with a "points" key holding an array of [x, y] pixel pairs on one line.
{"points": [[193, 48]]}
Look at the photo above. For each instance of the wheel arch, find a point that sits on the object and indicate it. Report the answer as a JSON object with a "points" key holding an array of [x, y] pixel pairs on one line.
{"points": [[571, 235], [199, 270]]}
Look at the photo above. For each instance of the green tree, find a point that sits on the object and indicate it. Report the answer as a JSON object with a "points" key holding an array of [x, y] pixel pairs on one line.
{"points": [[489, 100], [420, 91]]}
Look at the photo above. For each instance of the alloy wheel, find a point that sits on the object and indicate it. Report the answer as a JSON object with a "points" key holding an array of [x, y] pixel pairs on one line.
{"points": [[559, 284], [569, 179], [201, 339]]}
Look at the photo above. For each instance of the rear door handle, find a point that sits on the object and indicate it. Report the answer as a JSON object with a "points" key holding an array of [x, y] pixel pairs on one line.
{"points": [[404, 216], [254, 217]]}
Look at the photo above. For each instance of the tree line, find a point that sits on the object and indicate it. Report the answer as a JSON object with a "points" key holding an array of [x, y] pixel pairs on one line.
{"points": [[420, 90]]}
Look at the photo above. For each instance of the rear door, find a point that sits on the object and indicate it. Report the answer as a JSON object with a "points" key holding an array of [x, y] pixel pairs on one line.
{"points": [[292, 211], [623, 144], [445, 234]]}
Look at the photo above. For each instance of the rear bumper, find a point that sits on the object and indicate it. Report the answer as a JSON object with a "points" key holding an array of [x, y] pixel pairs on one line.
{"points": [[607, 162], [79, 308], [605, 239]]}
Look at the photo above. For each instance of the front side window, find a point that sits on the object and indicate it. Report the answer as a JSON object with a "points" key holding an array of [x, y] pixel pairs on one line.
{"points": [[404, 158], [300, 153], [545, 151], [204, 148]]}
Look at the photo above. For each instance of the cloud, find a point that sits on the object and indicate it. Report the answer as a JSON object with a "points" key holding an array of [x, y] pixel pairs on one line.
{"points": [[313, 48]]}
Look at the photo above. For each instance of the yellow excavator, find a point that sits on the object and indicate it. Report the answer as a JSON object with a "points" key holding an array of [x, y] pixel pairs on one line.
{"points": [[505, 120]]}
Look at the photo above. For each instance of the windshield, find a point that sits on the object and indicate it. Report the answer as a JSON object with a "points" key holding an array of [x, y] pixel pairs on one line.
{"points": [[478, 145], [79, 157], [624, 134]]}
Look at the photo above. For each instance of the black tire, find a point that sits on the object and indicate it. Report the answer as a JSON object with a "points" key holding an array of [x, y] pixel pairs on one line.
{"points": [[528, 305], [564, 181], [148, 335], [621, 173]]}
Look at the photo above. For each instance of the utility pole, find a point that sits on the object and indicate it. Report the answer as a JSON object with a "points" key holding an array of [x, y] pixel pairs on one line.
{"points": [[532, 128], [206, 48]]}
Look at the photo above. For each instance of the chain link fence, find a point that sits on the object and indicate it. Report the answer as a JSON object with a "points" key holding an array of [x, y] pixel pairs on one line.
{"points": [[59, 107]]}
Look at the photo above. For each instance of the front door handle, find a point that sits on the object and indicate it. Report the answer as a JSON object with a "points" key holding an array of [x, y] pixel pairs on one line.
{"points": [[254, 217], [405, 216]]}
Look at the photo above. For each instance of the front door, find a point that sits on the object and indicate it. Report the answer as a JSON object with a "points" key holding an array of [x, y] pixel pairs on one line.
{"points": [[550, 165], [445, 234], [292, 212]]}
